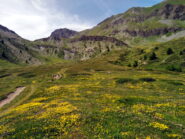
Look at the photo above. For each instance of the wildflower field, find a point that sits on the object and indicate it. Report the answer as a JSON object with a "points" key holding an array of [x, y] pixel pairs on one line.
{"points": [[93, 100]]}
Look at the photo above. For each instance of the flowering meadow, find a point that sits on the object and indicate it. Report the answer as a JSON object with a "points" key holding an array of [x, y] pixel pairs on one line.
{"points": [[95, 102]]}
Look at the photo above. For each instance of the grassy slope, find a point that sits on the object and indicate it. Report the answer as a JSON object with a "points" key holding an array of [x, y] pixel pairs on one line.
{"points": [[142, 55], [95, 99]]}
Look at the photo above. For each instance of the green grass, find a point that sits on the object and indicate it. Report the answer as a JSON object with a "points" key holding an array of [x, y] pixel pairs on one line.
{"points": [[156, 56], [94, 99]]}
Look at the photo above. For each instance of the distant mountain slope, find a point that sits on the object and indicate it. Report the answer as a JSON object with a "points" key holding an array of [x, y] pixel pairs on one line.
{"points": [[162, 22], [15, 49], [85, 47], [165, 18], [6, 32]]}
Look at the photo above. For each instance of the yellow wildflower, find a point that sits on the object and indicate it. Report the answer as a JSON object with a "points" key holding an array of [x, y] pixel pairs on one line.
{"points": [[158, 116], [174, 136], [126, 133], [33, 82], [159, 126], [148, 137], [53, 88]]}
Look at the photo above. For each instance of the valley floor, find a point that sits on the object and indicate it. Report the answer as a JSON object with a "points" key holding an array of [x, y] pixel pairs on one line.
{"points": [[93, 99]]}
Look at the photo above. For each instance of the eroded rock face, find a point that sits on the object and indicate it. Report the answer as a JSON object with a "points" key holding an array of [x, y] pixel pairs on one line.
{"points": [[153, 32], [138, 21], [86, 47], [170, 11], [100, 38]]}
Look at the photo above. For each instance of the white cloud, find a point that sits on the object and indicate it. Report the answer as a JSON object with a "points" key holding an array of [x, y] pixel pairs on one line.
{"points": [[34, 19]]}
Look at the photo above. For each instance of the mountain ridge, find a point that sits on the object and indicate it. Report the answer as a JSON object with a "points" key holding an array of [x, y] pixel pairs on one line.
{"points": [[135, 26]]}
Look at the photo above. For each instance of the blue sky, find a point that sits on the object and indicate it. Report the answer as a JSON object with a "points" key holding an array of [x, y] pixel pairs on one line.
{"points": [[33, 19]]}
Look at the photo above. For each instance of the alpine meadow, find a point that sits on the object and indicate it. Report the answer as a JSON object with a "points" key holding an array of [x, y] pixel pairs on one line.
{"points": [[122, 79]]}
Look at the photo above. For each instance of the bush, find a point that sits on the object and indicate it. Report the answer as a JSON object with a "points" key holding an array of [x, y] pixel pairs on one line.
{"points": [[135, 64], [156, 48], [169, 51], [176, 68], [181, 53], [153, 56], [145, 57], [129, 65]]}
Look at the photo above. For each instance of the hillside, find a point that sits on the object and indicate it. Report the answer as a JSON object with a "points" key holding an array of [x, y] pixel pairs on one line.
{"points": [[96, 98], [167, 56], [17, 50], [161, 22], [138, 23]]}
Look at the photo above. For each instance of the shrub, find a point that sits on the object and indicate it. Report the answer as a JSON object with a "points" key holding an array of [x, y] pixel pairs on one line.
{"points": [[153, 56], [156, 48], [129, 65], [135, 64], [181, 53], [145, 57], [176, 68], [169, 51]]}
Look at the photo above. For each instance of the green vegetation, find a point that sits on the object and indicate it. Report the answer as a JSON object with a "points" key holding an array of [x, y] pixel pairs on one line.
{"points": [[124, 92], [169, 51], [176, 68], [94, 99], [161, 56]]}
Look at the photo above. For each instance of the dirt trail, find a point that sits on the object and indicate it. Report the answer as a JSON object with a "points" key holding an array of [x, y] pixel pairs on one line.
{"points": [[11, 96]]}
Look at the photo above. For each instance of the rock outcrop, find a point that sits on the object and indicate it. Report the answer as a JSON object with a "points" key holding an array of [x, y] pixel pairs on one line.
{"points": [[60, 34]]}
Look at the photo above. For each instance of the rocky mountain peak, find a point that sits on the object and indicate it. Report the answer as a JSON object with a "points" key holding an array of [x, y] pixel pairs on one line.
{"points": [[62, 33]]}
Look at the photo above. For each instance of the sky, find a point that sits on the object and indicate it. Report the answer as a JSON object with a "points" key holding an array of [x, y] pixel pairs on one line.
{"points": [[34, 19]]}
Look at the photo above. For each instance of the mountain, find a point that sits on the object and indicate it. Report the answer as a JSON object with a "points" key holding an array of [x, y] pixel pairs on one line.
{"points": [[60, 34], [5, 32], [165, 18], [15, 49], [77, 46], [162, 22]]}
